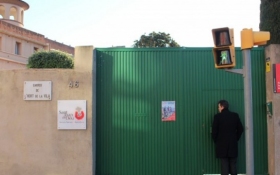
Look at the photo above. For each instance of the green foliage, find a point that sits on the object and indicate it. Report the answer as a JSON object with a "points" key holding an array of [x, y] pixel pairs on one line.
{"points": [[154, 39], [52, 59], [270, 19]]}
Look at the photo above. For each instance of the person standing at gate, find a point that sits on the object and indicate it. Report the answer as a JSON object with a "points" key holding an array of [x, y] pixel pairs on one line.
{"points": [[226, 131]]}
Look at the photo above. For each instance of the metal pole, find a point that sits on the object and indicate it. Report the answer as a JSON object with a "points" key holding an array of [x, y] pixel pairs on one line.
{"points": [[248, 111]]}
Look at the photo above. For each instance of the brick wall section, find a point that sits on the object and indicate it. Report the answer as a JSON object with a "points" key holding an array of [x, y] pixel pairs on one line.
{"points": [[21, 33], [28, 35], [59, 46]]}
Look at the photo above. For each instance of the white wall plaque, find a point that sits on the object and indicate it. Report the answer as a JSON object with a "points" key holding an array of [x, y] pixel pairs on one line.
{"points": [[37, 90], [71, 114]]}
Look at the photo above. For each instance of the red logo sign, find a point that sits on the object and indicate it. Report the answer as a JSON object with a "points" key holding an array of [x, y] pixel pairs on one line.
{"points": [[79, 114]]}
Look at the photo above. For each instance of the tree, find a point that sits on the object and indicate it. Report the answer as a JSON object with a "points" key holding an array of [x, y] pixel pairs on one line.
{"points": [[154, 39], [270, 19], [52, 59]]}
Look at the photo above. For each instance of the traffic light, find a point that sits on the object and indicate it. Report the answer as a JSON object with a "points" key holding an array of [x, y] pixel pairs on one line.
{"points": [[224, 52], [250, 38]]}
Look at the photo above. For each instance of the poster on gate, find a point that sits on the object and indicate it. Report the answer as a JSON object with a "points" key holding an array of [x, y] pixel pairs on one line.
{"points": [[168, 111], [71, 114]]}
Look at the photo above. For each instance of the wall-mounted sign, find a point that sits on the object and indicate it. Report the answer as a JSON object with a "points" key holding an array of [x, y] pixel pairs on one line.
{"points": [[276, 78], [71, 114], [267, 64], [168, 111], [37, 90]]}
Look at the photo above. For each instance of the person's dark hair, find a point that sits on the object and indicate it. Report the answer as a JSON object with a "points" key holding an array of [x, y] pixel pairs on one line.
{"points": [[224, 103]]}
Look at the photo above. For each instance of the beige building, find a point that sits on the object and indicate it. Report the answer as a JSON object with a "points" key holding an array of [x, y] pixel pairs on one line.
{"points": [[18, 43]]}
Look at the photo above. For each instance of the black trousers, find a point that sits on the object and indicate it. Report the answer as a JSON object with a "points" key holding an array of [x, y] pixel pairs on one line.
{"points": [[228, 166]]}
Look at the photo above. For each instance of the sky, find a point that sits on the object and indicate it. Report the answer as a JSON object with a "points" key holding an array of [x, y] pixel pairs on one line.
{"points": [[107, 23]]}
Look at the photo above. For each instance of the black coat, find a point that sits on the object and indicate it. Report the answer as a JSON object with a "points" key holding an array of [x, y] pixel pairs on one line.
{"points": [[226, 131]]}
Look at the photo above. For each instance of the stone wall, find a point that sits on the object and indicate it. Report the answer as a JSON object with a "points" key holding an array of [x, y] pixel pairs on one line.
{"points": [[30, 140], [272, 55]]}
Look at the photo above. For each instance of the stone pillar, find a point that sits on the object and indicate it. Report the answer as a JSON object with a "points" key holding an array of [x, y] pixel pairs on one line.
{"points": [[85, 60], [7, 12], [18, 18], [272, 55]]}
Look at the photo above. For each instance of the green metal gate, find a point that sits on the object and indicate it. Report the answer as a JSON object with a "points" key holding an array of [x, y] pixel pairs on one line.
{"points": [[131, 84]]}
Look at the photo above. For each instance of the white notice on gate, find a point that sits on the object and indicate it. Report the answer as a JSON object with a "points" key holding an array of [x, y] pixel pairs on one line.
{"points": [[71, 114]]}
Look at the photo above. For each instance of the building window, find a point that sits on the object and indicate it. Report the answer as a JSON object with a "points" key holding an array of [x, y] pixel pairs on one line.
{"points": [[13, 14], [2, 11], [18, 48], [35, 49]]}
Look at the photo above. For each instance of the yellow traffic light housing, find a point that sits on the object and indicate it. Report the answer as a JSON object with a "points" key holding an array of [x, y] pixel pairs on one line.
{"points": [[250, 38], [224, 51]]}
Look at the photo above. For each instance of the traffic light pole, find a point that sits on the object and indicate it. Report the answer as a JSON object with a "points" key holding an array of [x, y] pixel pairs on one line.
{"points": [[248, 111], [246, 72]]}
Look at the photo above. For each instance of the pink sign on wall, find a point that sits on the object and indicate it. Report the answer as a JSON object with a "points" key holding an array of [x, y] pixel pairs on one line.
{"points": [[276, 78]]}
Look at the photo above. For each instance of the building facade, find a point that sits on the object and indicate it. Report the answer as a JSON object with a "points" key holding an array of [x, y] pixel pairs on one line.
{"points": [[18, 43]]}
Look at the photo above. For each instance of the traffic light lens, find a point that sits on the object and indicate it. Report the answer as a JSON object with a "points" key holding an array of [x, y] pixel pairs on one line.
{"points": [[222, 38], [223, 57]]}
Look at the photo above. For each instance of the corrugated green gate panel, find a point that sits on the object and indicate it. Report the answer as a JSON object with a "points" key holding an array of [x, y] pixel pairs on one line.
{"points": [[132, 83]]}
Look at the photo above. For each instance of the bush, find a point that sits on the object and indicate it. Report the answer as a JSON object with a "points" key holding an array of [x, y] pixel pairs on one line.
{"points": [[269, 19], [52, 59]]}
